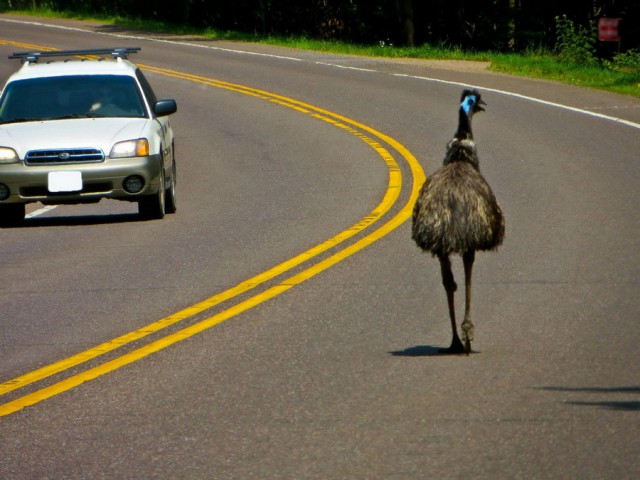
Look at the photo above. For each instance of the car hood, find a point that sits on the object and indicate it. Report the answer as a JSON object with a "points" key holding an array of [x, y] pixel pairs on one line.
{"points": [[101, 133]]}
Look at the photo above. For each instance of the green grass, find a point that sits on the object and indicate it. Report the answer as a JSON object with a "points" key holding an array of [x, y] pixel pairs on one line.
{"points": [[537, 64], [549, 67], [380, 50], [533, 64]]}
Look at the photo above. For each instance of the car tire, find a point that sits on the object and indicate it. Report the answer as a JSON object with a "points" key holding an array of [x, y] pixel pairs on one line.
{"points": [[153, 206], [12, 214], [170, 205]]}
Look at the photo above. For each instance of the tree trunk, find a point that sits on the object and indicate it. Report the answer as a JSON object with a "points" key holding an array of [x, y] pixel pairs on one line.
{"points": [[263, 17], [405, 15]]}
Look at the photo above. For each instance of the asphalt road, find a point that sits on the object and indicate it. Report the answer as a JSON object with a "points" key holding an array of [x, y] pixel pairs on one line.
{"points": [[203, 346]]}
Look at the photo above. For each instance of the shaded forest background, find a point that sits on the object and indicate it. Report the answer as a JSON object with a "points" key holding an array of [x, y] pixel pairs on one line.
{"points": [[497, 25]]}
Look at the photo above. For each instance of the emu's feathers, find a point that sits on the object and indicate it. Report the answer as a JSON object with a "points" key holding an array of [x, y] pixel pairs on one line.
{"points": [[456, 211]]}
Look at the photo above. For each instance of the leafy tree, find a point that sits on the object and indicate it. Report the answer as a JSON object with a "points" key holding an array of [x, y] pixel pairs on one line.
{"points": [[575, 44], [499, 25]]}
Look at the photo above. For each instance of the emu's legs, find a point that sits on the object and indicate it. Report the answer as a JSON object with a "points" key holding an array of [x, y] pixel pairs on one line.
{"points": [[467, 326], [450, 287]]}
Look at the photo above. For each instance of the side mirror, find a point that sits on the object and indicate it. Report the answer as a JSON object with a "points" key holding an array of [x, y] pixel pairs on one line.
{"points": [[163, 108]]}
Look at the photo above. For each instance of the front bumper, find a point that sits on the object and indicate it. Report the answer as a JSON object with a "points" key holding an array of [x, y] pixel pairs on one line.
{"points": [[28, 184]]}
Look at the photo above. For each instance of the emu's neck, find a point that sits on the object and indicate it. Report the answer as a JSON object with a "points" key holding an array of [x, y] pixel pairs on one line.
{"points": [[462, 151], [464, 126], [462, 148]]}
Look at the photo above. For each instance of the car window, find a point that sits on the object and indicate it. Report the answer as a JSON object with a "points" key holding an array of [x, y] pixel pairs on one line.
{"points": [[146, 88], [74, 96]]}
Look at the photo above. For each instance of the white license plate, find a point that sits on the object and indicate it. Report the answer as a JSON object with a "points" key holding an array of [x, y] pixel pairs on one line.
{"points": [[65, 182]]}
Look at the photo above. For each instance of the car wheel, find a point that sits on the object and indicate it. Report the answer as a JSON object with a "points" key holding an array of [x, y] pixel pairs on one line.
{"points": [[170, 195], [12, 214], [153, 206]]}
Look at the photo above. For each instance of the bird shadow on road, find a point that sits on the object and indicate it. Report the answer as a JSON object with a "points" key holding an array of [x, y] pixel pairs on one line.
{"points": [[625, 405], [426, 351]]}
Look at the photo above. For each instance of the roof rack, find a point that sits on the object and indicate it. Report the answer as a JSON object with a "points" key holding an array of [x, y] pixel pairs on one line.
{"points": [[33, 57]]}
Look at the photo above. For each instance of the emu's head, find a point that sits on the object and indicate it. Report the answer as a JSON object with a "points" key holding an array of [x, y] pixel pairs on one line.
{"points": [[471, 102]]}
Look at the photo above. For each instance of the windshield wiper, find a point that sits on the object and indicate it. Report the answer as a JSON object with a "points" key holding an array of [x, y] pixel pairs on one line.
{"points": [[20, 120], [63, 117], [78, 115]]}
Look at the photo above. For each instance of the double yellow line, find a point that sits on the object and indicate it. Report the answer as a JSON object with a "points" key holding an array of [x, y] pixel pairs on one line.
{"points": [[371, 137]]}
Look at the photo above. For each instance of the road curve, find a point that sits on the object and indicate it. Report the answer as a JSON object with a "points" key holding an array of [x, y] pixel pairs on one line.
{"points": [[290, 163]]}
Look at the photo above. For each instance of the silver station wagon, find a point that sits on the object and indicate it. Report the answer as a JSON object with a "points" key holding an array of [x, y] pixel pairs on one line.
{"points": [[79, 130]]}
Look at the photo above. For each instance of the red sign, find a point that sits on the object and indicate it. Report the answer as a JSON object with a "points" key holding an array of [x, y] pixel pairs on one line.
{"points": [[608, 29]]}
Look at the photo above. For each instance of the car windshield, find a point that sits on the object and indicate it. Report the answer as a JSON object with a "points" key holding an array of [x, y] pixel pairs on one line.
{"points": [[77, 96]]}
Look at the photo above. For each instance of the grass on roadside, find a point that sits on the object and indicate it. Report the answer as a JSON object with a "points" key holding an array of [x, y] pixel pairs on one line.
{"points": [[546, 66], [534, 64]]}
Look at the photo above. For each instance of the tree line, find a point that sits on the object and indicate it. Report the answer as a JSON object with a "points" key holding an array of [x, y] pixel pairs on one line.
{"points": [[497, 25]]}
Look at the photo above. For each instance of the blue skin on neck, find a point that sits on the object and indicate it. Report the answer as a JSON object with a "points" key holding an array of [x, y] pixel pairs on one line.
{"points": [[468, 104]]}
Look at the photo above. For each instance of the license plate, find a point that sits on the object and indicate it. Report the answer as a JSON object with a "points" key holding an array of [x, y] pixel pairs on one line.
{"points": [[65, 182]]}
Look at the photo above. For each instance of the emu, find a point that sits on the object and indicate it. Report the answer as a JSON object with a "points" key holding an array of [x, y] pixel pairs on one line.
{"points": [[457, 213]]}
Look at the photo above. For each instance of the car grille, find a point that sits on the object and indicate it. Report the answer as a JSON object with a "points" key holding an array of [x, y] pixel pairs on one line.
{"points": [[60, 157]]}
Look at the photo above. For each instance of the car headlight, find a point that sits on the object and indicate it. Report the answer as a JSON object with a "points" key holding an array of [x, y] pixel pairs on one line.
{"points": [[130, 148], [8, 155]]}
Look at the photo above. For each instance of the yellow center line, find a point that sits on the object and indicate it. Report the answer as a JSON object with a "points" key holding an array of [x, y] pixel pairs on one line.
{"points": [[390, 197], [31, 47], [387, 202]]}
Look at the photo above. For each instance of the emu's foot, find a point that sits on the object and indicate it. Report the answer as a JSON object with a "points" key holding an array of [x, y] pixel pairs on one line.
{"points": [[455, 348], [467, 346], [467, 336]]}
